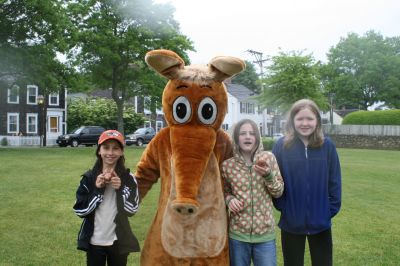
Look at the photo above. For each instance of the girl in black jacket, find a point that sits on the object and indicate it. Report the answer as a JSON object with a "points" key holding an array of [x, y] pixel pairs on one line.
{"points": [[105, 198]]}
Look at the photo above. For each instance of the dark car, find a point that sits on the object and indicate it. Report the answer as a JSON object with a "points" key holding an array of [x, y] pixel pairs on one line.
{"points": [[140, 136], [86, 135]]}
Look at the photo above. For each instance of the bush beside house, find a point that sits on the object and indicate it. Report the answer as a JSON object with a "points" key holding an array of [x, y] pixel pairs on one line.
{"points": [[4, 142]]}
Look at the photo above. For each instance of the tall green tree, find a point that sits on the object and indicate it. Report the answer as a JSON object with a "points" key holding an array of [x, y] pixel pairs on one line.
{"points": [[292, 76], [32, 34], [248, 78], [112, 38], [363, 70]]}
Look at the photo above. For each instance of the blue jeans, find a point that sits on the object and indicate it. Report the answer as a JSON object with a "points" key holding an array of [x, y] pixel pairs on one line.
{"points": [[262, 254]]}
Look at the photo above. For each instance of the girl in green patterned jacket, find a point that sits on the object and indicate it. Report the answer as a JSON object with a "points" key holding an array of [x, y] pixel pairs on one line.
{"points": [[251, 178]]}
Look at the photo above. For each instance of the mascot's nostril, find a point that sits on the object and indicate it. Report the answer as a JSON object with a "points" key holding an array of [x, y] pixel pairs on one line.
{"points": [[185, 209]]}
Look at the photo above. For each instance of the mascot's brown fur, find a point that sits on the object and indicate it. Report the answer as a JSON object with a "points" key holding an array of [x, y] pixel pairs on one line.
{"points": [[190, 226]]}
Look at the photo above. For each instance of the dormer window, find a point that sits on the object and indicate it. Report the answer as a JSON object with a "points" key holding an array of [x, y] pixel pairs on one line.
{"points": [[31, 94], [13, 94], [54, 99]]}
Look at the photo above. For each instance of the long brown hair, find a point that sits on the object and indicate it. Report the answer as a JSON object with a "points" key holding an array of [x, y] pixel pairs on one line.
{"points": [[236, 133], [316, 139]]}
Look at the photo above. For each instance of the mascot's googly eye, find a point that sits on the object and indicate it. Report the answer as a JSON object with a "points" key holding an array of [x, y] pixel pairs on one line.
{"points": [[181, 109], [207, 111]]}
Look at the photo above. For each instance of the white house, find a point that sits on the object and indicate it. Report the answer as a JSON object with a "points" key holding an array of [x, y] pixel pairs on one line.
{"points": [[242, 104]]}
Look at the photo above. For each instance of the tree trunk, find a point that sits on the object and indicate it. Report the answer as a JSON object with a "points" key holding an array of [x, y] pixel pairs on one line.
{"points": [[120, 112], [45, 122], [119, 97], [153, 115]]}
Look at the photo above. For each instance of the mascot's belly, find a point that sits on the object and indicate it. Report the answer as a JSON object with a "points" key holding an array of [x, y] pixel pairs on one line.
{"points": [[178, 240], [203, 234]]}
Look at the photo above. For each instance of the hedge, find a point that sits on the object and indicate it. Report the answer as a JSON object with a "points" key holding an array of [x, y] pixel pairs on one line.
{"points": [[382, 117], [268, 143]]}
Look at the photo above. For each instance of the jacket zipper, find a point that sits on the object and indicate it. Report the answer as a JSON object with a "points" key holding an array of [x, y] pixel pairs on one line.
{"points": [[308, 190], [251, 201]]}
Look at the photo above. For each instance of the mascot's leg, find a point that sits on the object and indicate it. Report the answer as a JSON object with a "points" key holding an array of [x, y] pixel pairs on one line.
{"points": [[220, 260]]}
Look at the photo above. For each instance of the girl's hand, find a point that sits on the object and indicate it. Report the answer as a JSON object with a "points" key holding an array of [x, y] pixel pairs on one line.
{"points": [[107, 175], [262, 168], [235, 205], [115, 180], [100, 181]]}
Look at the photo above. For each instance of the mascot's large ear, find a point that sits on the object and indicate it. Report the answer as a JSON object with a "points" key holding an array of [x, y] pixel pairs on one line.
{"points": [[226, 66], [165, 62]]}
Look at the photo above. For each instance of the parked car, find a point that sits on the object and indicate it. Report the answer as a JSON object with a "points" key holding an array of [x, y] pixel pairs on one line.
{"points": [[86, 135], [277, 135], [140, 136]]}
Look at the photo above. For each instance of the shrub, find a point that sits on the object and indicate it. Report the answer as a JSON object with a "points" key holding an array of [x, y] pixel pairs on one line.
{"points": [[383, 117], [268, 143], [4, 141], [101, 112]]}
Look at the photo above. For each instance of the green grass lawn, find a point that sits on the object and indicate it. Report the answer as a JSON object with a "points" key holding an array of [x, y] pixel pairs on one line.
{"points": [[38, 226]]}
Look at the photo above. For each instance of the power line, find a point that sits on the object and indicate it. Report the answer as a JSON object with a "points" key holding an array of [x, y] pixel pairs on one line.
{"points": [[259, 60]]}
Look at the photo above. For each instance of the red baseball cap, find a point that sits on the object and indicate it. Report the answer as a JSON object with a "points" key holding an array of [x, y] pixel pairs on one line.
{"points": [[111, 134]]}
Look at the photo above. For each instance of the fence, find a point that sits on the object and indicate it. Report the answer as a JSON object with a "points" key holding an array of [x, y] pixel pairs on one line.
{"points": [[27, 141], [364, 137], [362, 130]]}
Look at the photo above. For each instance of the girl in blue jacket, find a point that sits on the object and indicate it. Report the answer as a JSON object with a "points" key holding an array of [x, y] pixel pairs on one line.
{"points": [[310, 168]]}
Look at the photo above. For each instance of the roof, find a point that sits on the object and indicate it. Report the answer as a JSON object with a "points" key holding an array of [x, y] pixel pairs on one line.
{"points": [[241, 92], [344, 112]]}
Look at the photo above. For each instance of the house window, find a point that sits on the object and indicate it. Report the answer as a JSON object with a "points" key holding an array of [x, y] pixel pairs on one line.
{"points": [[159, 125], [259, 109], [13, 123], [32, 93], [242, 108], [53, 99], [53, 124], [13, 94], [247, 108], [31, 123]]}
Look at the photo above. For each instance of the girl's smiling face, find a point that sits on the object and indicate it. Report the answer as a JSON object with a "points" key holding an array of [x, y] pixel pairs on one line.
{"points": [[247, 139], [110, 151], [305, 123]]}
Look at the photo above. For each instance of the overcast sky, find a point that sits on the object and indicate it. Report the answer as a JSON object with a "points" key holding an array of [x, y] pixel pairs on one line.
{"points": [[222, 27]]}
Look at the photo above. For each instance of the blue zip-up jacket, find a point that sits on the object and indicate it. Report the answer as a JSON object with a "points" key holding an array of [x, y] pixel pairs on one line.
{"points": [[312, 194]]}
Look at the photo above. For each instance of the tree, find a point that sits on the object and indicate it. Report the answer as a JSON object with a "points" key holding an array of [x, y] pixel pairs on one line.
{"points": [[101, 112], [32, 33], [290, 77], [363, 70], [248, 78], [112, 38]]}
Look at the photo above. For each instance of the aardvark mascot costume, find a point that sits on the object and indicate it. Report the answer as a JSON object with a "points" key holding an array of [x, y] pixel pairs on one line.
{"points": [[190, 226]]}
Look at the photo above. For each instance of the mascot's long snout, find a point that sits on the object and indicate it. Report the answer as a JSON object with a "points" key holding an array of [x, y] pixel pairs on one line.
{"points": [[191, 150]]}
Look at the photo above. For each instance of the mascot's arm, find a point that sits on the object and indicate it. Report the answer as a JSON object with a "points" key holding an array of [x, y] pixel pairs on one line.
{"points": [[223, 146], [148, 168], [223, 150]]}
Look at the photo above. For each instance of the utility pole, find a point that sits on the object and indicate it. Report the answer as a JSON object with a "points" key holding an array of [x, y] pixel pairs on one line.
{"points": [[331, 96], [259, 61]]}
